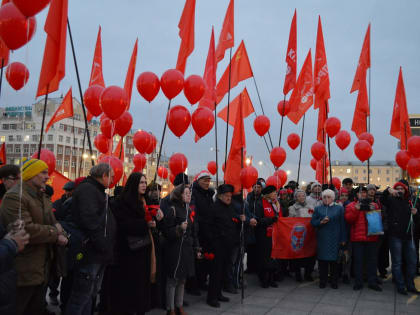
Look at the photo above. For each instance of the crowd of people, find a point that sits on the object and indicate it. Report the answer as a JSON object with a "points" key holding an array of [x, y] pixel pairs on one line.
{"points": [[134, 251]]}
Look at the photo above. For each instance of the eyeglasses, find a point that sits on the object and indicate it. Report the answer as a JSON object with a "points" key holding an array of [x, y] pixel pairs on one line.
{"points": [[13, 178]]}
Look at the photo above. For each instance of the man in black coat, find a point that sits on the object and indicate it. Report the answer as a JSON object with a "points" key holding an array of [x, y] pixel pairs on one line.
{"points": [[403, 218], [60, 211], [90, 211]]}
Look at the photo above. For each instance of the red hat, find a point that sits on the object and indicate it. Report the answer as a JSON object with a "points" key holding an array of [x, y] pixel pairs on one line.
{"points": [[400, 184], [343, 191], [283, 192]]}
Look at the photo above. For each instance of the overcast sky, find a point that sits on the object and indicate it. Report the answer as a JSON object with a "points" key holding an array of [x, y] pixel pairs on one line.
{"points": [[264, 26]]}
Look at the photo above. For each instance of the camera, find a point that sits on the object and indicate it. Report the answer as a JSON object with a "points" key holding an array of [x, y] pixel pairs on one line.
{"points": [[364, 204]]}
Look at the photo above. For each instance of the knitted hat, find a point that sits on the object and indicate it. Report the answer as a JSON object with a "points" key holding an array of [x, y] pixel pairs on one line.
{"points": [[202, 174], [371, 186], [32, 167], [181, 178]]}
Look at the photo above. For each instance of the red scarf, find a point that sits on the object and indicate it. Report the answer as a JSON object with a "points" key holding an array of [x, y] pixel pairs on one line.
{"points": [[269, 212]]}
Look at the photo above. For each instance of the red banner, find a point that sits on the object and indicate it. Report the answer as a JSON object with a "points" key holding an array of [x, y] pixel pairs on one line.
{"points": [[293, 238]]}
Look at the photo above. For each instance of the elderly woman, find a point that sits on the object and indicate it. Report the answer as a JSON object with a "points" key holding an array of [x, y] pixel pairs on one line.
{"points": [[300, 209], [266, 216], [328, 219]]}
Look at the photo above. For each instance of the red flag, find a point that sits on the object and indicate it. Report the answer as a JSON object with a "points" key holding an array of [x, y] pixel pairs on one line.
{"points": [[364, 63], [128, 85], [57, 182], [209, 77], [321, 76], [361, 111], [303, 94], [293, 238], [54, 62], [96, 75], [65, 110], [241, 100], [322, 117], [234, 162], [240, 69], [119, 150], [291, 58], [5, 1], [227, 34], [400, 123], [321, 171], [3, 159], [186, 32]]}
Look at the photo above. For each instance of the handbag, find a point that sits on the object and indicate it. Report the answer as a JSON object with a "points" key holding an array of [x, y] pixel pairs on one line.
{"points": [[138, 242], [374, 221]]}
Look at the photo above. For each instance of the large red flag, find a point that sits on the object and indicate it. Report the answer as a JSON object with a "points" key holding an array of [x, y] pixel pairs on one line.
{"points": [[227, 34], [240, 69], [65, 110], [364, 63], [186, 32], [57, 182], [96, 75], [54, 62], [291, 58], [321, 171], [361, 111], [3, 159], [293, 238], [209, 97], [400, 123], [119, 150], [303, 94], [128, 85], [242, 100]]}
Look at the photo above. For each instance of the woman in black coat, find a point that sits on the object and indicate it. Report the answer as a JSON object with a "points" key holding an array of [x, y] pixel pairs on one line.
{"points": [[130, 277], [180, 247]]}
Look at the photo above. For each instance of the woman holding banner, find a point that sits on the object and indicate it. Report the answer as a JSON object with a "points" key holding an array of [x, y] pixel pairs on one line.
{"points": [[328, 219]]}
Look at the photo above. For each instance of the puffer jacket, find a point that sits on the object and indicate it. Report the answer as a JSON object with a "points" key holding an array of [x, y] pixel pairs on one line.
{"points": [[358, 223]]}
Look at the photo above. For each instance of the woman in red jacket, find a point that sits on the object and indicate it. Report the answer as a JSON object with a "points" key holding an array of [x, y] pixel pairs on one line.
{"points": [[364, 246]]}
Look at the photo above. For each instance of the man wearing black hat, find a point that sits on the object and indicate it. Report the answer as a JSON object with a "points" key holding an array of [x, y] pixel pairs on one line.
{"points": [[225, 226], [61, 211]]}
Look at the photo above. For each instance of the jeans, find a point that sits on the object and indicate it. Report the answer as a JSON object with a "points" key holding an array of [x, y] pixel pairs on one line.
{"points": [[232, 268], [86, 284], [400, 248], [365, 251], [174, 293]]}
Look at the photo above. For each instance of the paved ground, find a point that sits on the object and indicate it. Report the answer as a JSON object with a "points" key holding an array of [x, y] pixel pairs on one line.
{"points": [[292, 298]]}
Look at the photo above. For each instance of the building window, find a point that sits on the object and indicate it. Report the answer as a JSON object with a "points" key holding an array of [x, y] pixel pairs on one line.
{"points": [[67, 151], [50, 137], [9, 150], [25, 149], [5, 127], [387, 179], [73, 164], [35, 138], [379, 171], [387, 172], [61, 126], [396, 179], [17, 149], [65, 127], [58, 162], [60, 138], [60, 150], [11, 138], [356, 171], [19, 138], [370, 171], [364, 178], [356, 178], [66, 163], [33, 149], [13, 126], [67, 139]]}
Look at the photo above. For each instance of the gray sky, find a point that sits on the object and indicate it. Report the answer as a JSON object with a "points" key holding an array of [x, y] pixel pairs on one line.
{"points": [[264, 25]]}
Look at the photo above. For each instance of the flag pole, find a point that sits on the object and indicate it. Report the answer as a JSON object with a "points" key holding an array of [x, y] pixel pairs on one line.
{"points": [[83, 152], [43, 123], [262, 109], [74, 147], [329, 147], [228, 108], [368, 129], [282, 117], [1, 74], [301, 146], [161, 141], [80, 92], [242, 234], [215, 136]]}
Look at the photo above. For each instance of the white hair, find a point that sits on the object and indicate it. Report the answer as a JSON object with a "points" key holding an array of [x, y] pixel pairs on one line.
{"points": [[328, 192]]}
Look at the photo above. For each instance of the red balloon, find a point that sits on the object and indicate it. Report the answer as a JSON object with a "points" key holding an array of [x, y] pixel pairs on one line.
{"points": [[92, 98], [172, 83], [139, 161], [117, 166], [15, 29], [273, 181], [332, 126], [123, 124], [336, 182], [17, 75], [368, 137], [293, 140], [202, 121], [172, 178], [152, 144], [363, 150], [114, 101], [283, 108], [313, 164], [148, 85], [318, 150], [342, 139], [107, 127], [413, 145], [141, 140], [178, 120], [249, 176], [402, 157], [278, 156], [30, 8], [413, 167], [194, 88], [48, 157], [261, 125], [178, 163], [101, 143], [282, 175], [4, 54], [163, 172], [212, 167]]}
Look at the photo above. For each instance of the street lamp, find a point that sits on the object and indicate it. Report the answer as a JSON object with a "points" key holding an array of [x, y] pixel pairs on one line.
{"points": [[85, 156], [248, 161], [288, 172]]}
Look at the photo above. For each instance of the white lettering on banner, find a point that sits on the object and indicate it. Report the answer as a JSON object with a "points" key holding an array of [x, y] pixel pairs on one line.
{"points": [[321, 73], [96, 65], [60, 112], [288, 70], [305, 97], [292, 54]]}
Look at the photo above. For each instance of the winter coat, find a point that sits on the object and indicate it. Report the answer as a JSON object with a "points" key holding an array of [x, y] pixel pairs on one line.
{"points": [[225, 227], [313, 201], [298, 210], [399, 213], [358, 223], [34, 263], [60, 212], [329, 235], [180, 246], [90, 213], [8, 276], [253, 205]]}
